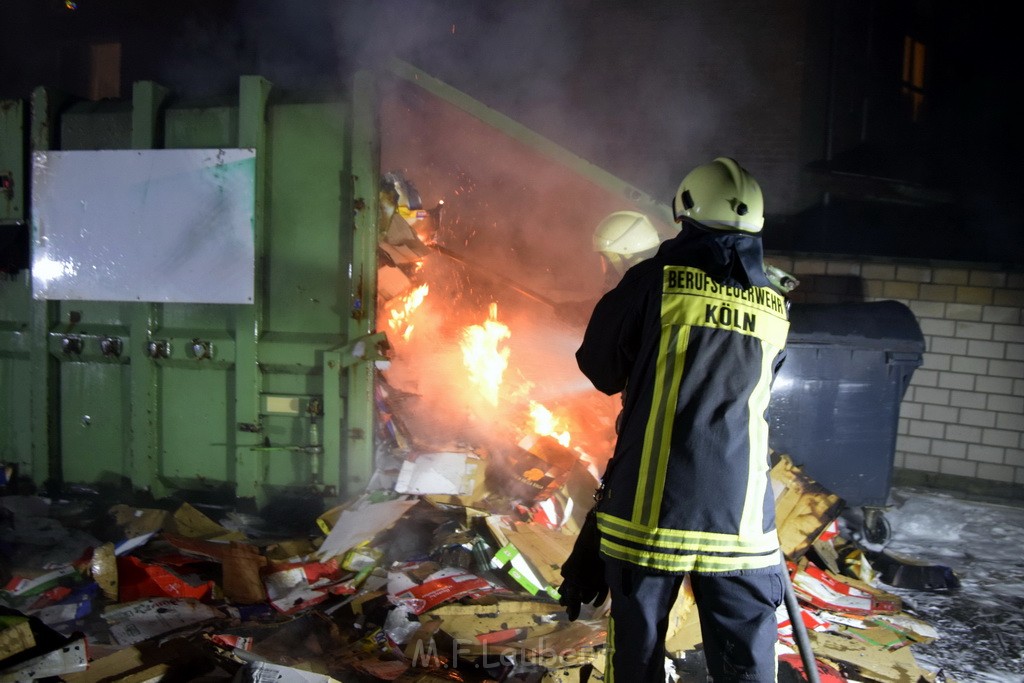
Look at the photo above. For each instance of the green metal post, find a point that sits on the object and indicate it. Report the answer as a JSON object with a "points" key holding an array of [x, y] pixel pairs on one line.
{"points": [[254, 92], [15, 440], [147, 100], [12, 160], [359, 406], [333, 407], [45, 391]]}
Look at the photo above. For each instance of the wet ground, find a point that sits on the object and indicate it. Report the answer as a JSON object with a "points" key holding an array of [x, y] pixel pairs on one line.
{"points": [[981, 625]]}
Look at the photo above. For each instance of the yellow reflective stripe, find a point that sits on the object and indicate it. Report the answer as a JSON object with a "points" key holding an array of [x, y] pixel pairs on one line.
{"points": [[658, 433], [678, 539], [684, 563], [695, 299], [752, 517]]}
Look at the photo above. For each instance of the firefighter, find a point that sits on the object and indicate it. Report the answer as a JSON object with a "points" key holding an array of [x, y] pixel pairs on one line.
{"points": [[624, 238], [697, 334]]}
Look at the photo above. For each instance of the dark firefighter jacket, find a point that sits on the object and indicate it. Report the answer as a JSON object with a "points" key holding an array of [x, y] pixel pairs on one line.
{"points": [[695, 336]]}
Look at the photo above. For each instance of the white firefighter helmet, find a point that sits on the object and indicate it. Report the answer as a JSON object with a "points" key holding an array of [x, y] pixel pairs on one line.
{"points": [[625, 238], [721, 195]]}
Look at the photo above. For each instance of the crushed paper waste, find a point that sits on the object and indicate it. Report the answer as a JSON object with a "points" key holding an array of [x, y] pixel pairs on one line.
{"points": [[396, 586]]}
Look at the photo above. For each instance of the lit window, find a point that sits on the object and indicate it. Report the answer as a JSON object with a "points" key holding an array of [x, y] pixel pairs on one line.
{"points": [[912, 87]]}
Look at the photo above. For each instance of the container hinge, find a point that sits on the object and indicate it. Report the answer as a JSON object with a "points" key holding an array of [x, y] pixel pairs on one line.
{"points": [[368, 348]]}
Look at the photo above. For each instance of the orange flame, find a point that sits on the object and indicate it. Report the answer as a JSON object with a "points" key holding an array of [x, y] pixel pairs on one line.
{"points": [[400, 320], [483, 359], [546, 424]]}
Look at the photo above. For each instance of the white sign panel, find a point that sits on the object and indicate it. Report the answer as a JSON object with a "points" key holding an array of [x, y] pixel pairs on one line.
{"points": [[167, 225]]}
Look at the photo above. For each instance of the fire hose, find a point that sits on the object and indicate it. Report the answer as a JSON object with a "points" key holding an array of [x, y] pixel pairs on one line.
{"points": [[803, 641]]}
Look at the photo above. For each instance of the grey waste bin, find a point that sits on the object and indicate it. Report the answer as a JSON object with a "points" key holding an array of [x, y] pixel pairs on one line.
{"points": [[835, 404]]}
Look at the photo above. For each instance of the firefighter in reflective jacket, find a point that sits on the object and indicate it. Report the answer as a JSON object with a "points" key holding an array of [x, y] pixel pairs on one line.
{"points": [[697, 334]]}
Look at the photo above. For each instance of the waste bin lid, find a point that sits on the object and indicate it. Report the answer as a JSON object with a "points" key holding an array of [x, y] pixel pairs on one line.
{"points": [[888, 325]]}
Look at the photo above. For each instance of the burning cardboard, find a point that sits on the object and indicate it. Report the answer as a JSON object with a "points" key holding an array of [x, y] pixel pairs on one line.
{"points": [[392, 285], [401, 244], [535, 468]]}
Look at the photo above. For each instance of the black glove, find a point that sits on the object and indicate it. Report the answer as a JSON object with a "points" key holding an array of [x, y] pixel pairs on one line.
{"points": [[572, 596], [583, 571]]}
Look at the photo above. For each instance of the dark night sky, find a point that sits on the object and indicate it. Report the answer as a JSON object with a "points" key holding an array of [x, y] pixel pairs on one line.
{"points": [[601, 78]]}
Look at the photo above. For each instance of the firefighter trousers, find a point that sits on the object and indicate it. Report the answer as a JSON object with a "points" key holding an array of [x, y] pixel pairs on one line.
{"points": [[737, 620]]}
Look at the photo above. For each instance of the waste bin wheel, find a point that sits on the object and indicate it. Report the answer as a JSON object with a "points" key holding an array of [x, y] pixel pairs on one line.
{"points": [[877, 529]]}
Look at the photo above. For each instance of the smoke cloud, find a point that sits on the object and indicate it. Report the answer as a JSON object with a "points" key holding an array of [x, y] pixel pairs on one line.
{"points": [[611, 83]]}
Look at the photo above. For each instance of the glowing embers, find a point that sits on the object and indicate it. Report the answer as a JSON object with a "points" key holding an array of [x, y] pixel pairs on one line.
{"points": [[400, 317], [483, 358]]}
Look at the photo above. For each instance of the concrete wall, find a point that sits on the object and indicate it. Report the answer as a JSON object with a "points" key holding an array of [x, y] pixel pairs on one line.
{"points": [[962, 419]]}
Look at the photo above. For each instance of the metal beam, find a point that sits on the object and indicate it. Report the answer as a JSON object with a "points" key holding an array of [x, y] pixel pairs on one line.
{"points": [[517, 131], [45, 391], [358, 437], [254, 93], [12, 161], [144, 455]]}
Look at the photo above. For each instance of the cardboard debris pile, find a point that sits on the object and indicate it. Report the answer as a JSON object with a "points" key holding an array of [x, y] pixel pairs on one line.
{"points": [[428, 581]]}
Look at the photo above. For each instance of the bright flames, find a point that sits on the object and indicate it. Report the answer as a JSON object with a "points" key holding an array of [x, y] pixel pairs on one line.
{"points": [[546, 424], [401, 315], [483, 359]]}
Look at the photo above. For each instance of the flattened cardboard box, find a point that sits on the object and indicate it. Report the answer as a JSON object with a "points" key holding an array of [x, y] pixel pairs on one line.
{"points": [[144, 662], [505, 621], [15, 636], [803, 507]]}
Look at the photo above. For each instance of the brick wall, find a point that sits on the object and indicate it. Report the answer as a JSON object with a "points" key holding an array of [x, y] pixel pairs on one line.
{"points": [[962, 419]]}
